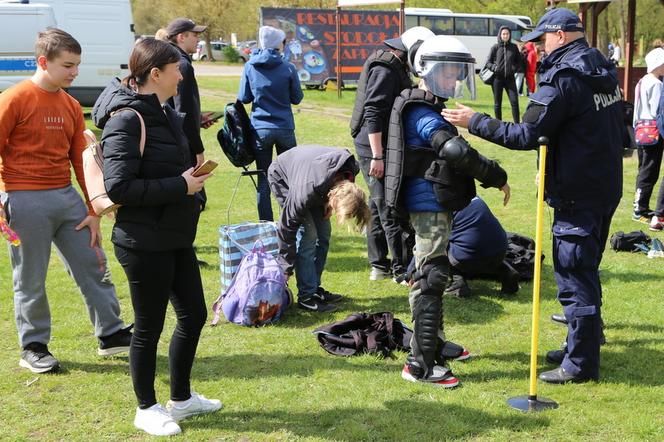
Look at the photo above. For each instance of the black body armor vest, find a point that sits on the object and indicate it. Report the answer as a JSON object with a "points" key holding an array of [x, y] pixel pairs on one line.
{"points": [[385, 58], [453, 189]]}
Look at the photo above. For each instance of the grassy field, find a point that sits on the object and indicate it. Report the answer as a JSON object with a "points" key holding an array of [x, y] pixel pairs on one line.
{"points": [[277, 384]]}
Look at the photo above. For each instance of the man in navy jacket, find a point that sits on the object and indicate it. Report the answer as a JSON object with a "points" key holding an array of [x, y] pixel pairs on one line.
{"points": [[183, 34], [578, 107]]}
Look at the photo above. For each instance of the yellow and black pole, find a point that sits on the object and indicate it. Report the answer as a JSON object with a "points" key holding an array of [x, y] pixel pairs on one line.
{"points": [[532, 402]]}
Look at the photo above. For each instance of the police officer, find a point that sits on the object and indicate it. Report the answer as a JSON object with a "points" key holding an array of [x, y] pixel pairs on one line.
{"points": [[430, 173], [578, 107], [383, 77]]}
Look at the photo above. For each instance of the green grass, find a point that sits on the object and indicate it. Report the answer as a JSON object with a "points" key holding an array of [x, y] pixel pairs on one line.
{"points": [[277, 384]]}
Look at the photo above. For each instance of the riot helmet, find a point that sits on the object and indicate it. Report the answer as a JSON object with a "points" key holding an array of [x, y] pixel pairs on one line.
{"points": [[443, 61]]}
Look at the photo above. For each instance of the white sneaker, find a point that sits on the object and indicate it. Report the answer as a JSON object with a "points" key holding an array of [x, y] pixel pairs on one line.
{"points": [[156, 421], [378, 274], [196, 404]]}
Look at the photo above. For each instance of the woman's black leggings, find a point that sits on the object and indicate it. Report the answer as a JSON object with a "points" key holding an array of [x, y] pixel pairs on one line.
{"points": [[154, 278], [509, 84]]}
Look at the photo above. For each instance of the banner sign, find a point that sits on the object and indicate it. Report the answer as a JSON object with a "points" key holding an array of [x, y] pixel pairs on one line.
{"points": [[311, 43]]}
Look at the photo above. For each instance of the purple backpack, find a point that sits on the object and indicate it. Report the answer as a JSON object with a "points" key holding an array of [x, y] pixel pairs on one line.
{"points": [[258, 294]]}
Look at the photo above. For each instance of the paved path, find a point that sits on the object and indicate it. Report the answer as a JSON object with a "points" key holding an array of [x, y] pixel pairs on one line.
{"points": [[215, 69]]}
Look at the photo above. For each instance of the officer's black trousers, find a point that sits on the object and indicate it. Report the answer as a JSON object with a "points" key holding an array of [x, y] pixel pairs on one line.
{"points": [[578, 243]]}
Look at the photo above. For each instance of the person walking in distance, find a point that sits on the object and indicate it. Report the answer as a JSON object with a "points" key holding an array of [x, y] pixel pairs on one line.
{"points": [[504, 60]]}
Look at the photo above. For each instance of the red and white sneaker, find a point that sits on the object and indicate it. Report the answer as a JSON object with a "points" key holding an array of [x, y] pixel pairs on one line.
{"points": [[657, 223], [440, 377], [465, 354]]}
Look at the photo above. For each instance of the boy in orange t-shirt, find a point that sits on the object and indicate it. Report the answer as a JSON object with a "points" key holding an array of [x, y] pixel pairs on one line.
{"points": [[41, 137]]}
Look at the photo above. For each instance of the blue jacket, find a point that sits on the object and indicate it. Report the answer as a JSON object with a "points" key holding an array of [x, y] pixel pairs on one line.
{"points": [[420, 123], [271, 85], [476, 233], [578, 107]]}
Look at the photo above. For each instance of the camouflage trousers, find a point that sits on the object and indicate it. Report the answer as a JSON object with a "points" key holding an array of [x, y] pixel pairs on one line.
{"points": [[432, 233]]}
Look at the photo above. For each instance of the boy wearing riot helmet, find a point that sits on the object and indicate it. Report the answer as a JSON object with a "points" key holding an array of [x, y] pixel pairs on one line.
{"points": [[429, 174]]}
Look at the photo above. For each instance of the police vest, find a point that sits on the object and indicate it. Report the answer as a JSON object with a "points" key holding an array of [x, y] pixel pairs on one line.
{"points": [[382, 58], [453, 190]]}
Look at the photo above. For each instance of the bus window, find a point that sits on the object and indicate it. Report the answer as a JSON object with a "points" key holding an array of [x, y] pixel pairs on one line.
{"points": [[438, 25], [411, 21], [497, 23], [471, 26]]}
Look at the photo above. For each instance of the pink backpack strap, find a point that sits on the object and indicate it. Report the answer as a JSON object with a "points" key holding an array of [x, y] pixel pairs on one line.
{"points": [[141, 145]]}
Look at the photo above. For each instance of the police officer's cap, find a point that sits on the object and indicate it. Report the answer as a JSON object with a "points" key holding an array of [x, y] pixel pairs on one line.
{"points": [[559, 19]]}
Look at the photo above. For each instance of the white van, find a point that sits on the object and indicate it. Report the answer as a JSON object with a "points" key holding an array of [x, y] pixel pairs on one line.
{"points": [[105, 30], [20, 24]]}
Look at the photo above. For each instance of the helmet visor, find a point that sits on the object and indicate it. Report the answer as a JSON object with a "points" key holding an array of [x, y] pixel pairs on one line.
{"points": [[448, 79]]}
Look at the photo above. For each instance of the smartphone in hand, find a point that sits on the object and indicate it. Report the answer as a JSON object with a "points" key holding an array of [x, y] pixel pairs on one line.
{"points": [[210, 117], [207, 167]]}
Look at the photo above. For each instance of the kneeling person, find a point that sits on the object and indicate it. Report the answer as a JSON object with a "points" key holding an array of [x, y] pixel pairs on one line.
{"points": [[477, 248], [310, 183], [430, 173]]}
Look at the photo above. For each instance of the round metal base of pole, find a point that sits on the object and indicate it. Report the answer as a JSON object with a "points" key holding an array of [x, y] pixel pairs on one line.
{"points": [[531, 403]]}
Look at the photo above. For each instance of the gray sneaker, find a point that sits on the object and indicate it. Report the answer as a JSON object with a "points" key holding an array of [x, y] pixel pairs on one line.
{"points": [[36, 358]]}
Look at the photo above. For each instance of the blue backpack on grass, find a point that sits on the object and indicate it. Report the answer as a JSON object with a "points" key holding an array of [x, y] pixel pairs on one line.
{"points": [[258, 294]]}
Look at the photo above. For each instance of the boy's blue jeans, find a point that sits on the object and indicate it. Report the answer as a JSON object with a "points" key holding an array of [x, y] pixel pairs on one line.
{"points": [[313, 243]]}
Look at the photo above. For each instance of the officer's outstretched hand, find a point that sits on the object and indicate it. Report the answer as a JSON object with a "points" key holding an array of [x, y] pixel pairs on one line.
{"points": [[506, 190], [459, 117]]}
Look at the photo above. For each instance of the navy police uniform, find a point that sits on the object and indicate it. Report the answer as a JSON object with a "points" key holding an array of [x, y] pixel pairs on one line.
{"points": [[579, 108]]}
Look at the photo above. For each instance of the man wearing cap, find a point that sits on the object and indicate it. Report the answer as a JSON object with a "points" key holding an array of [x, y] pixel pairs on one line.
{"points": [[384, 75], [578, 106], [183, 34]]}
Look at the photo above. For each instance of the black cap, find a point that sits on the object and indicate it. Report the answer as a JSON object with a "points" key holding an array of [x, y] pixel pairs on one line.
{"points": [[180, 25]]}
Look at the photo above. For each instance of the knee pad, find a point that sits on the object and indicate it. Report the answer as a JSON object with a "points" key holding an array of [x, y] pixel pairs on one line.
{"points": [[435, 274]]}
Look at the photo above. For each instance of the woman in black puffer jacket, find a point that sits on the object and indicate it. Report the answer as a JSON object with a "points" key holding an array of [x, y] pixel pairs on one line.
{"points": [[504, 60], [155, 227]]}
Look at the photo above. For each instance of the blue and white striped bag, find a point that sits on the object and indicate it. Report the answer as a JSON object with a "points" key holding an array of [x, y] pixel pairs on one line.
{"points": [[237, 240]]}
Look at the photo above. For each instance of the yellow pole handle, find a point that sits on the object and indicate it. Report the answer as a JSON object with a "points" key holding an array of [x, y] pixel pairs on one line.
{"points": [[537, 277]]}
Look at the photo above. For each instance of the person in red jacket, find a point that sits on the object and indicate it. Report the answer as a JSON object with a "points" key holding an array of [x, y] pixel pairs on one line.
{"points": [[531, 65]]}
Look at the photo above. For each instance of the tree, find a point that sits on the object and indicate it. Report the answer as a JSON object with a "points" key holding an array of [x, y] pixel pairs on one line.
{"points": [[224, 17]]}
